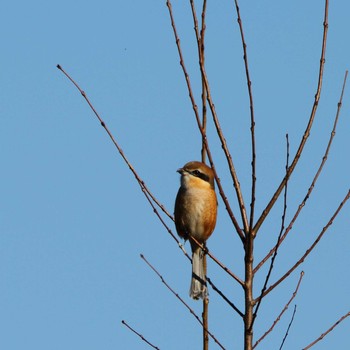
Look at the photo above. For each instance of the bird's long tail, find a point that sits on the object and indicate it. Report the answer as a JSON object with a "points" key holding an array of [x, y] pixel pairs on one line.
{"points": [[198, 289]]}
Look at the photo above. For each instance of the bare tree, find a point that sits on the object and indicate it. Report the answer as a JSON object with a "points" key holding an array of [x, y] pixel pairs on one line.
{"points": [[246, 222]]}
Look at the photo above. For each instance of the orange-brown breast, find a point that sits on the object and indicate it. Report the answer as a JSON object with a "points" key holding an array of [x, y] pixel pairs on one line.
{"points": [[196, 211]]}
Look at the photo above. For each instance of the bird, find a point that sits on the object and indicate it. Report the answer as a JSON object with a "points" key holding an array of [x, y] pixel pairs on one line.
{"points": [[195, 216]]}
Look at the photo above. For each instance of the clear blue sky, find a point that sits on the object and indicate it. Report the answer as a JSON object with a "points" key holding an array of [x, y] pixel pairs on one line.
{"points": [[73, 219]]}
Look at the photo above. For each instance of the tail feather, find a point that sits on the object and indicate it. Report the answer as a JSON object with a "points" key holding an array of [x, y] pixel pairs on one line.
{"points": [[198, 289]]}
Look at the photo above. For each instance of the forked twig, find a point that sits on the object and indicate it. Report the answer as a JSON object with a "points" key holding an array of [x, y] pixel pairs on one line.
{"points": [[202, 131], [282, 312], [313, 183], [327, 331], [140, 335], [181, 300], [308, 251], [307, 130]]}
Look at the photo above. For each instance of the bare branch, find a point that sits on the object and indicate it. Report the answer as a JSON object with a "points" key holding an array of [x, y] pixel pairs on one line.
{"points": [[179, 298], [226, 269], [278, 239], [301, 260], [282, 312], [234, 307], [140, 335], [252, 118], [147, 193], [202, 131], [150, 198], [288, 328], [313, 183], [204, 90], [206, 252], [327, 331], [200, 35], [205, 312], [224, 146], [103, 124], [156, 212], [308, 128]]}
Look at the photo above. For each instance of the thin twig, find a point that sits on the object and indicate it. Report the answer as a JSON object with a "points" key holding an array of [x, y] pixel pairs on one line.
{"points": [[327, 331], [219, 131], [179, 298], [140, 335], [205, 313], [103, 124], [288, 328], [149, 196], [282, 312], [206, 252], [229, 302], [313, 183], [252, 118], [226, 269], [307, 130], [308, 251], [156, 212], [203, 134], [204, 90], [278, 239]]}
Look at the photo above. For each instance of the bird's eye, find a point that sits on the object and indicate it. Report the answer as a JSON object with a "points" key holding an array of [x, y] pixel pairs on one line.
{"points": [[196, 172]]}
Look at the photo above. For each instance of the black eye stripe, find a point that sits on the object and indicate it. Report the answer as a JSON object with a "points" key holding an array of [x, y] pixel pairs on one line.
{"points": [[202, 176]]}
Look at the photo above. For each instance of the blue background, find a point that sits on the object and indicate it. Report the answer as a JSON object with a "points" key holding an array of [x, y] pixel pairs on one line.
{"points": [[73, 219]]}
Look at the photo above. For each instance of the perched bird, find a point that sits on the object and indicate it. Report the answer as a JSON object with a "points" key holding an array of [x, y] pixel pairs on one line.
{"points": [[195, 216]]}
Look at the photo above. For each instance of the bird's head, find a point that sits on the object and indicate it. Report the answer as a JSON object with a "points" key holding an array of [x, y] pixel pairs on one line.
{"points": [[196, 174]]}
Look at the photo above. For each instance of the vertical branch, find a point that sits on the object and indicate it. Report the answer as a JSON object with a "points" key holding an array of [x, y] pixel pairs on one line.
{"points": [[199, 124], [252, 118], [200, 42], [219, 131], [248, 292], [249, 242], [205, 313], [307, 130], [204, 90], [278, 239]]}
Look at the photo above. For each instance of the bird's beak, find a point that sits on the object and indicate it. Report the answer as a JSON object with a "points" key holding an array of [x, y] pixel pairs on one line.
{"points": [[180, 170]]}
